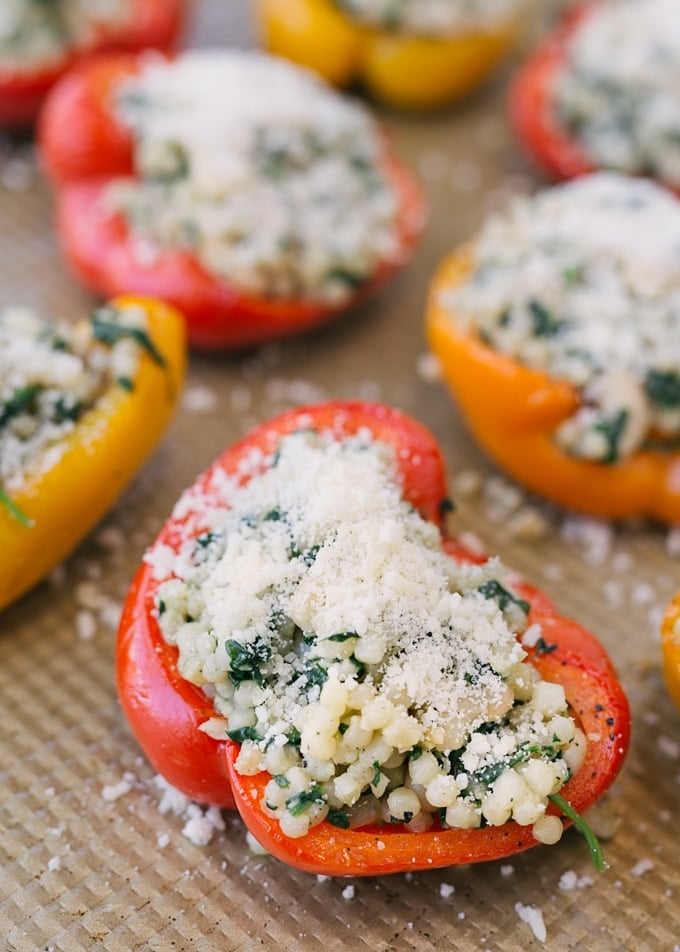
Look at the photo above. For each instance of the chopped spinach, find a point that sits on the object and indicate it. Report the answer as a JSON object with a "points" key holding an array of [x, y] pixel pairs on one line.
{"points": [[21, 401], [338, 818], [612, 429], [300, 802], [543, 321], [494, 589], [107, 329], [239, 734], [663, 387], [245, 661]]}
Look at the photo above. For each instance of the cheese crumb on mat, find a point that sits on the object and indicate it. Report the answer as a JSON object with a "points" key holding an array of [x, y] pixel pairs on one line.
{"points": [[533, 918]]}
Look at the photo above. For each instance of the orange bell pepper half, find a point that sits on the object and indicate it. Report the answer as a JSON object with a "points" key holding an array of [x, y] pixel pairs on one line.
{"points": [[153, 24], [84, 148], [670, 646], [514, 410], [165, 711], [108, 444], [406, 71]]}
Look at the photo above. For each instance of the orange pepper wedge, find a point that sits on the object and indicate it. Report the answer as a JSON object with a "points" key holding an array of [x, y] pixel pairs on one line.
{"points": [[100, 455], [403, 70], [513, 411], [670, 648]]}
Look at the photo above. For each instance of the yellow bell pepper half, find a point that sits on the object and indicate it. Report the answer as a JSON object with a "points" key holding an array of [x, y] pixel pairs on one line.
{"points": [[56, 508], [410, 72], [670, 647]]}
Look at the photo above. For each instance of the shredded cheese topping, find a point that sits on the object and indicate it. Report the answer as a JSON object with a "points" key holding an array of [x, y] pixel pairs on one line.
{"points": [[583, 281], [51, 374], [275, 183], [624, 109], [36, 33], [434, 17], [375, 677]]}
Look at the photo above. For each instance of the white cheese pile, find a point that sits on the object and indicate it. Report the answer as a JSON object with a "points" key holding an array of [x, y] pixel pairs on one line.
{"points": [[370, 673], [269, 177], [34, 33], [583, 281], [434, 17], [51, 374], [625, 109]]}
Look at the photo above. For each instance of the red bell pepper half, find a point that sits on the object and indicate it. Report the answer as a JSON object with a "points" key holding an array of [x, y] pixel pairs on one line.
{"points": [[166, 711], [84, 147], [153, 24]]}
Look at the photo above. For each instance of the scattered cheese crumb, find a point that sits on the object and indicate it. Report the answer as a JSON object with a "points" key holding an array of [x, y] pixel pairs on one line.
{"points": [[446, 890], [592, 537], [86, 625], [162, 840], [256, 848], [528, 524], [507, 869], [673, 542], [467, 483], [570, 880], [533, 918], [429, 368], [348, 892], [115, 791], [668, 747], [54, 864], [201, 826], [641, 867], [199, 399]]}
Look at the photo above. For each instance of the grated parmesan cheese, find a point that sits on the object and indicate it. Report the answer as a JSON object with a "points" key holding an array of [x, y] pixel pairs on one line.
{"points": [[372, 675]]}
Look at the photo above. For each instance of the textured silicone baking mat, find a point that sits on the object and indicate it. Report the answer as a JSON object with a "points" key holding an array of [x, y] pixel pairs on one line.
{"points": [[93, 855]]}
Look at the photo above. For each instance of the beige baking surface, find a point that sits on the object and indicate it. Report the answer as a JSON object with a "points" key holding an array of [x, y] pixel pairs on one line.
{"points": [[80, 871]]}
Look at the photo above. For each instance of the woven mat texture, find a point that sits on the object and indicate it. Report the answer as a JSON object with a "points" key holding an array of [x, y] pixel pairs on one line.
{"points": [[82, 872]]}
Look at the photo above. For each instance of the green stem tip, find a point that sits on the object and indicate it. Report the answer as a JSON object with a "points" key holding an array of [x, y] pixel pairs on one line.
{"points": [[596, 854]]}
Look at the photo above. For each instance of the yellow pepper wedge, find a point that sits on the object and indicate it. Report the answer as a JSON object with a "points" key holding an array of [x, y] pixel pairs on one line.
{"points": [[513, 411], [100, 455], [407, 71], [670, 648]]}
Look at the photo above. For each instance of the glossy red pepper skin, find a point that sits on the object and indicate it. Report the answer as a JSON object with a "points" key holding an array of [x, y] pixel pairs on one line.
{"points": [[162, 708], [83, 147], [154, 24]]}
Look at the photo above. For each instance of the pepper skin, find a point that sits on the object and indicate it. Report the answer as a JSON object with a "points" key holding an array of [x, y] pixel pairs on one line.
{"points": [[165, 711], [514, 410], [670, 646], [106, 447], [531, 109], [154, 24], [84, 147], [410, 72]]}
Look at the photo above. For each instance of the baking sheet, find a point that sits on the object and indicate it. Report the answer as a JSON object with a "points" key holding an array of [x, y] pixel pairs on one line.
{"points": [[89, 858]]}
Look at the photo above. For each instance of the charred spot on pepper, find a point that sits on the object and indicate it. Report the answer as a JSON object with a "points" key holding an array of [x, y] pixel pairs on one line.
{"points": [[542, 647], [446, 506]]}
